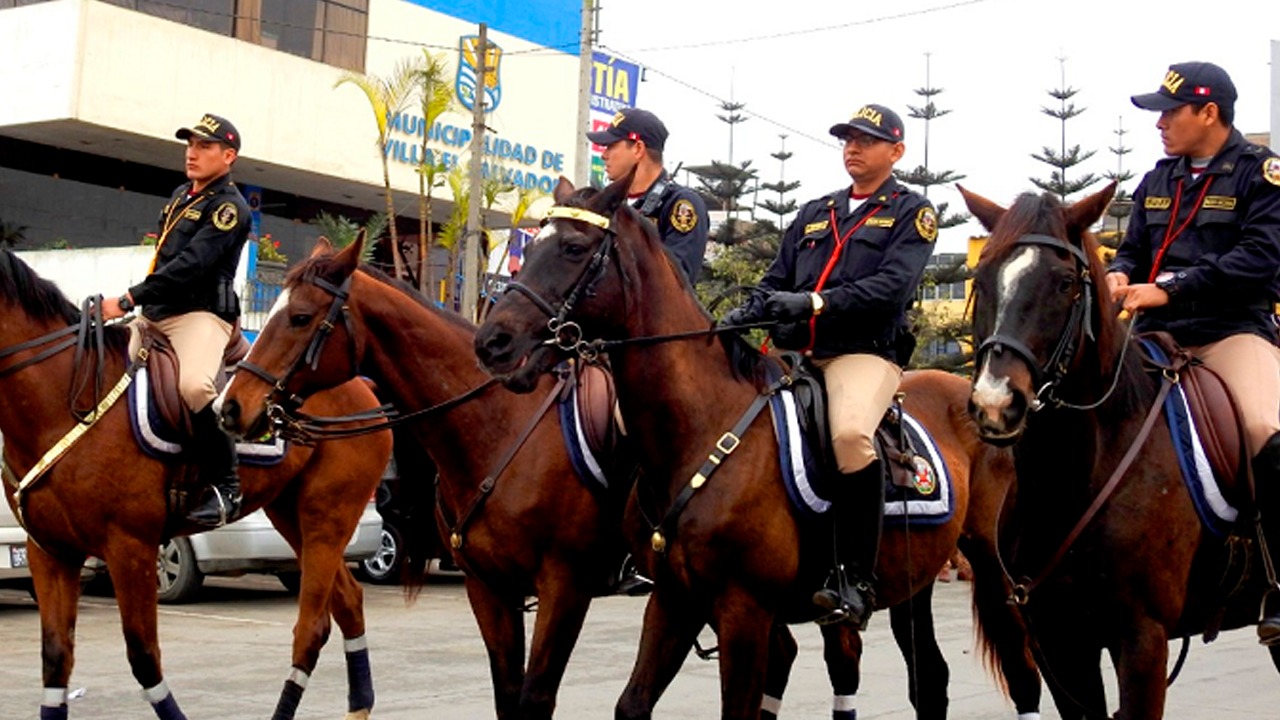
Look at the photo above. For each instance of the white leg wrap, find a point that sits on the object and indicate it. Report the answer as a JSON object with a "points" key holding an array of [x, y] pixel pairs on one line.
{"points": [[155, 694], [354, 644], [299, 678], [771, 704], [843, 703], [54, 697], [1029, 716]]}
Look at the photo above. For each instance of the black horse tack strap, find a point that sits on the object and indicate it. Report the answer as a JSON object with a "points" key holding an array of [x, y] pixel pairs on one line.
{"points": [[725, 446]]}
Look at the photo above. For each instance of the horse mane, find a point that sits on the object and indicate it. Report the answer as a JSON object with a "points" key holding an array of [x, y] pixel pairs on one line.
{"points": [[43, 301], [326, 266], [1033, 213]]}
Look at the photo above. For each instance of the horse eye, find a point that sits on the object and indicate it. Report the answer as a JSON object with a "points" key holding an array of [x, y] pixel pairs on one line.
{"points": [[299, 320], [574, 250], [1066, 284]]}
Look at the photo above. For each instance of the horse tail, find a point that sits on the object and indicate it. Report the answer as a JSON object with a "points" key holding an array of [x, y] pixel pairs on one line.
{"points": [[415, 502], [988, 597]]}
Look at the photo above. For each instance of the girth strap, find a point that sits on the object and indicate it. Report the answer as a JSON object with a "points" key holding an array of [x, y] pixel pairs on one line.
{"points": [[725, 446], [491, 479]]}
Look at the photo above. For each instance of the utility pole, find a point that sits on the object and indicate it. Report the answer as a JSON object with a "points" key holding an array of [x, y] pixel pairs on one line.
{"points": [[586, 63], [471, 245]]}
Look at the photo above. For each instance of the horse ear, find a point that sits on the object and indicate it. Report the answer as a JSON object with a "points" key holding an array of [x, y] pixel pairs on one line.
{"points": [[987, 212], [1082, 215], [606, 202], [564, 189], [323, 247], [349, 258]]}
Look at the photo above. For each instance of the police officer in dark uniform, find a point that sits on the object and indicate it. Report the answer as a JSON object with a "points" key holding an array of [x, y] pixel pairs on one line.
{"points": [[845, 275], [189, 296], [634, 140], [1201, 260]]}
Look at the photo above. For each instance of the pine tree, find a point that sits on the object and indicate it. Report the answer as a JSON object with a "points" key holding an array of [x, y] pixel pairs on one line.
{"points": [[1122, 204], [1065, 158], [783, 206], [922, 176]]}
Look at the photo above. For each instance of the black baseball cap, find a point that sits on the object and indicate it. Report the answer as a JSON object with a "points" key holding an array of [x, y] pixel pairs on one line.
{"points": [[212, 127], [632, 124], [876, 120], [1190, 82]]}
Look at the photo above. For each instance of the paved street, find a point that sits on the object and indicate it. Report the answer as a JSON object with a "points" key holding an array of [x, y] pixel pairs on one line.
{"points": [[227, 655]]}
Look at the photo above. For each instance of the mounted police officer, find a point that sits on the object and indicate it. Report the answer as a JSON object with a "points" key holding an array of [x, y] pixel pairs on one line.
{"points": [[634, 139], [188, 295], [1201, 260], [845, 275]]}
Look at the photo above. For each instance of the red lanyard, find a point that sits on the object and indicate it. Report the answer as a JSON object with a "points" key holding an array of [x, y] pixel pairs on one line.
{"points": [[1170, 234], [831, 263]]}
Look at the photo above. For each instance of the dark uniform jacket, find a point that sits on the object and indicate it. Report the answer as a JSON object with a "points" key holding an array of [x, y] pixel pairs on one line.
{"points": [[199, 248], [681, 217], [1225, 264], [873, 281]]}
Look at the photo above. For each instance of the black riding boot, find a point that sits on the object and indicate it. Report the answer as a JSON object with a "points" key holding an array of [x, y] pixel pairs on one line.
{"points": [[629, 581], [215, 452], [858, 519], [1266, 475]]}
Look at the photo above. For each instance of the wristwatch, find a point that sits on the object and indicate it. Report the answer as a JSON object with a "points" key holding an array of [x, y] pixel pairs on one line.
{"points": [[126, 303], [1169, 283], [818, 303]]}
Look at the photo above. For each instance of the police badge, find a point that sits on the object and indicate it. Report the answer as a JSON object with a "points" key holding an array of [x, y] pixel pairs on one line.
{"points": [[1271, 170], [683, 217], [225, 217], [927, 224]]}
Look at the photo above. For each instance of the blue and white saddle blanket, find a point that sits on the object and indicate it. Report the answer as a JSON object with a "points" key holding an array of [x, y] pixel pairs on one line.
{"points": [[929, 502], [1211, 505], [587, 466], [159, 440]]}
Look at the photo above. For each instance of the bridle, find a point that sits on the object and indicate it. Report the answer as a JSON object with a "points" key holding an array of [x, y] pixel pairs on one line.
{"points": [[311, 357], [567, 334], [1049, 375]]}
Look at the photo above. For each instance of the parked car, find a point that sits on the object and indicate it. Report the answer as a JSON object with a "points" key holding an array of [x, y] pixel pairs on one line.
{"points": [[14, 572]]}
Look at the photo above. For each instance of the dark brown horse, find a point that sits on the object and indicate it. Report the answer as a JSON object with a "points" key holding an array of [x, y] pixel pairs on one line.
{"points": [[536, 529], [732, 557], [1058, 375], [106, 498]]}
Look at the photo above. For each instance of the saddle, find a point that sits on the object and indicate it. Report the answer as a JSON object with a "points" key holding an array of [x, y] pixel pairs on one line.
{"points": [[1214, 413], [597, 408], [157, 355]]}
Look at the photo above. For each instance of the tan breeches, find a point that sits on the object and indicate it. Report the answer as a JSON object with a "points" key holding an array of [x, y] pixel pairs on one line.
{"points": [[199, 340], [1250, 367], [860, 389]]}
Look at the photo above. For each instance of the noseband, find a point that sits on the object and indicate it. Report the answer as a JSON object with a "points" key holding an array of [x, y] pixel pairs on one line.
{"points": [[566, 334], [311, 357], [1047, 376]]}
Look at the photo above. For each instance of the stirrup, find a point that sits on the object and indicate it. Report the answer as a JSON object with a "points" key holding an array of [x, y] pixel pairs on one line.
{"points": [[217, 510]]}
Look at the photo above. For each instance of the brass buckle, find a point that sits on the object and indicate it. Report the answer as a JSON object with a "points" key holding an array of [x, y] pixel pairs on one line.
{"points": [[728, 442]]}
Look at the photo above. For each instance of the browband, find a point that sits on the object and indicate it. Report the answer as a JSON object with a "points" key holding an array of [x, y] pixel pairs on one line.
{"points": [[573, 213]]}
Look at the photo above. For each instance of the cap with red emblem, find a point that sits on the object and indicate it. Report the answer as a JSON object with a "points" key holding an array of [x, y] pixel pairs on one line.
{"points": [[1195, 83], [212, 127]]}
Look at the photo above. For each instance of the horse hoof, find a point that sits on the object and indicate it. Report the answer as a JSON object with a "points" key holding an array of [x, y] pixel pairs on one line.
{"points": [[357, 715]]}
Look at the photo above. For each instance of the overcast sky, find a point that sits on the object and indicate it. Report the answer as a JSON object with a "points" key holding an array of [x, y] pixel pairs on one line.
{"points": [[995, 60]]}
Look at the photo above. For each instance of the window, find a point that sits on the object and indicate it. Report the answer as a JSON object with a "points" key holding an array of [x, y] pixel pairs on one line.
{"points": [[330, 31]]}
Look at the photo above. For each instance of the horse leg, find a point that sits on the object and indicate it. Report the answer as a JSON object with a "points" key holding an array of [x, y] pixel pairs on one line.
{"points": [[743, 626], [1002, 635], [57, 584], [562, 608], [346, 604], [501, 622], [1141, 664], [927, 672], [670, 626], [1072, 670], [782, 654], [133, 571], [842, 651]]}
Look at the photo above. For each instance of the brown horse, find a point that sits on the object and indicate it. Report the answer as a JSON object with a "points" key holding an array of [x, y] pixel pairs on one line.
{"points": [[732, 558], [1144, 568], [106, 498], [535, 529]]}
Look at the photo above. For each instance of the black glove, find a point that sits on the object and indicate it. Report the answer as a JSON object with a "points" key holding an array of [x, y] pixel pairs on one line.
{"points": [[743, 315], [789, 306]]}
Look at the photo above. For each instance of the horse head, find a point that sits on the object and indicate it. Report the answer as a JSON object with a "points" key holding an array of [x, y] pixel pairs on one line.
{"points": [[289, 361], [1040, 305], [572, 286]]}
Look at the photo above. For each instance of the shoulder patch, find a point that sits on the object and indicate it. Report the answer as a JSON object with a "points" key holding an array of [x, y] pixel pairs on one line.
{"points": [[927, 223], [1271, 170], [814, 227], [1154, 202], [225, 217], [684, 217]]}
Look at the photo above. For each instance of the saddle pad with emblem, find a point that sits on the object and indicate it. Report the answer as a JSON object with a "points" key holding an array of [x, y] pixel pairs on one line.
{"points": [[162, 441], [1215, 511], [929, 501]]}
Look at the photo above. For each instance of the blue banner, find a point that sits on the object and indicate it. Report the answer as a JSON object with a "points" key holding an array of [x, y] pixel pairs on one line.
{"points": [[614, 83], [552, 24]]}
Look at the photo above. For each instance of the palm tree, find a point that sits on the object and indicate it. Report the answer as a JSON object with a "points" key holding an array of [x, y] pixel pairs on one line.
{"points": [[435, 97], [12, 234], [387, 96]]}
